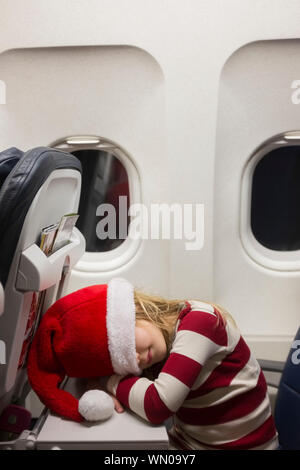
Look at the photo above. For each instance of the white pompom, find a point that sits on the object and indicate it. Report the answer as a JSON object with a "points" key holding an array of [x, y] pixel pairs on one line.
{"points": [[96, 405]]}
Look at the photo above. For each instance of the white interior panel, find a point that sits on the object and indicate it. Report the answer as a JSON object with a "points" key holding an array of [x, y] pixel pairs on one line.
{"points": [[116, 92], [254, 105]]}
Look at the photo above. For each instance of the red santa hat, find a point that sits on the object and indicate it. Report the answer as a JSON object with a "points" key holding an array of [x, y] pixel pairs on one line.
{"points": [[89, 333]]}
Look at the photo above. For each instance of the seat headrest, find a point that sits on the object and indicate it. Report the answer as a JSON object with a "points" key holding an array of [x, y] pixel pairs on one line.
{"points": [[287, 411], [8, 159]]}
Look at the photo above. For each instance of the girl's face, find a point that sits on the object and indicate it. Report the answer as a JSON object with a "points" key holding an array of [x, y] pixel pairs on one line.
{"points": [[150, 344]]}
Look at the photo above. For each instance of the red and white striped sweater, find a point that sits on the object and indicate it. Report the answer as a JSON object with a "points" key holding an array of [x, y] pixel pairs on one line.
{"points": [[211, 385]]}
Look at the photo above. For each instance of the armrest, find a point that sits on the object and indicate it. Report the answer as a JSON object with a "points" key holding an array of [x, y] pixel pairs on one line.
{"points": [[1, 299], [271, 366]]}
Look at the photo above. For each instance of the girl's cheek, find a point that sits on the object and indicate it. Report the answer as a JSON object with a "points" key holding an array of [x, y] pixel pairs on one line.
{"points": [[141, 340]]}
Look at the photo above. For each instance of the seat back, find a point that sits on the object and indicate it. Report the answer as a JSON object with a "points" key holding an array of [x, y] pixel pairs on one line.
{"points": [[38, 188], [287, 410]]}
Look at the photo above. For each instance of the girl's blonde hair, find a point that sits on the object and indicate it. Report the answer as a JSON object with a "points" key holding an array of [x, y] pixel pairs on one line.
{"points": [[164, 313]]}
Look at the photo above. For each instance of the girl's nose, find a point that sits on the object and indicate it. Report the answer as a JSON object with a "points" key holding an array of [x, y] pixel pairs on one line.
{"points": [[138, 358]]}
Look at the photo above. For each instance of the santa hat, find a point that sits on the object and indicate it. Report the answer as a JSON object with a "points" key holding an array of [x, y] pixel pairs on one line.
{"points": [[89, 333]]}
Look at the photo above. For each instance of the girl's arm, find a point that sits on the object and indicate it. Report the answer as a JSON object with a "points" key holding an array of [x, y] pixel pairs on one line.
{"points": [[155, 401]]}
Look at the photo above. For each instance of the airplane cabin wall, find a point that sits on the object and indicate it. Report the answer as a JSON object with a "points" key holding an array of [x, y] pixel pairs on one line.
{"points": [[158, 99]]}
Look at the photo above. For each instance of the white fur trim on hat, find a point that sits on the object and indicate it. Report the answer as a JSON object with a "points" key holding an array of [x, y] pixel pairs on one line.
{"points": [[120, 323]]}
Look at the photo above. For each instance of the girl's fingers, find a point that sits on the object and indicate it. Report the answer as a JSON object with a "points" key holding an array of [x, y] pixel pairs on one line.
{"points": [[118, 407]]}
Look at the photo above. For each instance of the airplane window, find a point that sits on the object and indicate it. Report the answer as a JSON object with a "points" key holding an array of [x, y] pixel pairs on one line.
{"points": [[275, 201], [104, 179]]}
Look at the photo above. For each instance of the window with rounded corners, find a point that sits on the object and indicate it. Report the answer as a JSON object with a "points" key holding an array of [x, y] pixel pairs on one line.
{"points": [[270, 203], [108, 173]]}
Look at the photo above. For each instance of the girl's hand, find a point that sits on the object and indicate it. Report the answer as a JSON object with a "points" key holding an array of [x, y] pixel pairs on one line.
{"points": [[118, 406], [100, 383]]}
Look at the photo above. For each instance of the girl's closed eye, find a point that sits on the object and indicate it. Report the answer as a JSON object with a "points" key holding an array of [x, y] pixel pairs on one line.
{"points": [[150, 344]]}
